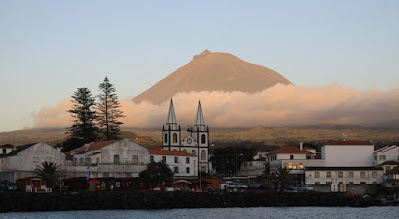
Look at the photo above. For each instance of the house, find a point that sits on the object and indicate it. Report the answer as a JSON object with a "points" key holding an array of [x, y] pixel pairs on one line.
{"points": [[117, 158], [260, 155], [7, 148], [182, 164], [253, 168], [387, 153], [348, 166], [22, 162], [348, 154], [392, 178], [195, 142]]}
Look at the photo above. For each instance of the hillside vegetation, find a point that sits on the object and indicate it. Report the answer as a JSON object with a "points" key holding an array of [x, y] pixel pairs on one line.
{"points": [[222, 136]]}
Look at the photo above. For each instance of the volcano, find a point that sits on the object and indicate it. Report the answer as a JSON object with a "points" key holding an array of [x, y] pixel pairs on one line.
{"points": [[213, 71]]}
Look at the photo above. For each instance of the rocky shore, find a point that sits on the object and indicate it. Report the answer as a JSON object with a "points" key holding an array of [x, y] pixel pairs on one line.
{"points": [[21, 201]]}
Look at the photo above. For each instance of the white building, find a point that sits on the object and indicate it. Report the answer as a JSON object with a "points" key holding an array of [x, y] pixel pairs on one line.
{"points": [[195, 142], [343, 175], [253, 168], [7, 148], [182, 164], [260, 155], [348, 154], [118, 158], [22, 162], [387, 153]]}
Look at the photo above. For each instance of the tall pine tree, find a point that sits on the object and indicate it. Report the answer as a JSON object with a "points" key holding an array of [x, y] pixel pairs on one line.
{"points": [[108, 111], [84, 116]]}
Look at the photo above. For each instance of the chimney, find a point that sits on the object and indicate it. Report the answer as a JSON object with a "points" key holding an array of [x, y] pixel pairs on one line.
{"points": [[301, 146]]}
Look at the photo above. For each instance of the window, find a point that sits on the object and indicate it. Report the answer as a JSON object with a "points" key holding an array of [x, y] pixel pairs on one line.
{"points": [[174, 137], [250, 164], [328, 175], [351, 174], [316, 174], [291, 156], [187, 160], [187, 169], [362, 183], [193, 152], [328, 183], [176, 169], [116, 158], [362, 175], [203, 155], [81, 160], [317, 183], [166, 138], [151, 158], [75, 160], [350, 182], [135, 159], [88, 161], [203, 139], [4, 151], [374, 174], [164, 159], [185, 150], [203, 169], [98, 160], [382, 157], [260, 155], [340, 175], [176, 160]]}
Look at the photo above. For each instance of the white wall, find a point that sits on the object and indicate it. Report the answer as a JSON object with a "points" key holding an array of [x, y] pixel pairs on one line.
{"points": [[287, 156], [310, 177], [348, 155], [125, 149], [181, 164]]}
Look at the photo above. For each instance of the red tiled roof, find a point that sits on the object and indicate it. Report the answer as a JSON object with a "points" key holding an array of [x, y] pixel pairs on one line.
{"points": [[390, 162], [288, 150], [100, 144], [175, 153], [349, 143]]}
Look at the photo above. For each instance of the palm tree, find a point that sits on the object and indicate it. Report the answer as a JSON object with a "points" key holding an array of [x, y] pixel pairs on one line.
{"points": [[50, 172], [281, 177]]}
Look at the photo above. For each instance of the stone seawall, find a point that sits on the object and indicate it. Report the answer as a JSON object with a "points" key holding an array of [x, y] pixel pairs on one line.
{"points": [[21, 201]]}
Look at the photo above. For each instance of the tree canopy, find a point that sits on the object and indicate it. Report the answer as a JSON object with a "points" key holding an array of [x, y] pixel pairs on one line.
{"points": [[84, 115], [229, 159], [156, 174], [108, 111], [281, 177], [50, 172]]}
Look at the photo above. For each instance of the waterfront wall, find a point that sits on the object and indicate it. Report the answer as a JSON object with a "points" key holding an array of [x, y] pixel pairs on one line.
{"points": [[20, 201]]}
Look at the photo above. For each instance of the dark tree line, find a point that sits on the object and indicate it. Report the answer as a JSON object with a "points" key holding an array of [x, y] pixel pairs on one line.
{"points": [[92, 120], [227, 160]]}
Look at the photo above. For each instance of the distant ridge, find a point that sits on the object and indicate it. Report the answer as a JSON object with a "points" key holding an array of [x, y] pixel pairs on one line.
{"points": [[213, 71]]}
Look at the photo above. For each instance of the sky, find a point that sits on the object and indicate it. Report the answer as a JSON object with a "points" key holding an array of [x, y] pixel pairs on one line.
{"points": [[48, 49]]}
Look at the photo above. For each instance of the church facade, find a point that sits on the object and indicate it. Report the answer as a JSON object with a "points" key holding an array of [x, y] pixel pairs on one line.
{"points": [[195, 142]]}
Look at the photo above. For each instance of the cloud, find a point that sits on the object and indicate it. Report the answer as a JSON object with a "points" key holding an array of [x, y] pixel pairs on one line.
{"points": [[281, 105]]}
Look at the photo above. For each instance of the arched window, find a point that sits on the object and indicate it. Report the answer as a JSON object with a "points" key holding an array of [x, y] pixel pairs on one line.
{"points": [[166, 138], [185, 150], [193, 152], [203, 155], [203, 169], [203, 139], [174, 137]]}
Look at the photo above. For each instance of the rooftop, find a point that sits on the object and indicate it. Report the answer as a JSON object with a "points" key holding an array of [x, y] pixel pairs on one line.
{"points": [[174, 153], [288, 150], [349, 143]]}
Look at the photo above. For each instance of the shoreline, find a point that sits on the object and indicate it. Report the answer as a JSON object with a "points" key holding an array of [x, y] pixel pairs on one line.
{"points": [[132, 200]]}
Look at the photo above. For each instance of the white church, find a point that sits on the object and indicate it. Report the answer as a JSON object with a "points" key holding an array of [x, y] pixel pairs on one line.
{"points": [[196, 141]]}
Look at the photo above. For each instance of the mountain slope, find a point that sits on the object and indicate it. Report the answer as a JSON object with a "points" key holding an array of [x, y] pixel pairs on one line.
{"points": [[213, 72]]}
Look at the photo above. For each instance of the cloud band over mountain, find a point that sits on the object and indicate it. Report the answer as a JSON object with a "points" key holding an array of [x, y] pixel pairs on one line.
{"points": [[281, 105]]}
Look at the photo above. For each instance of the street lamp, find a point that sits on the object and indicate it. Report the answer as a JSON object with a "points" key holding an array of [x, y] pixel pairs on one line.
{"points": [[237, 163]]}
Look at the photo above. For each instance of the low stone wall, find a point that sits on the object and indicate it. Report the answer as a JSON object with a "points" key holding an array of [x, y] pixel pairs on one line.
{"points": [[20, 201], [358, 189]]}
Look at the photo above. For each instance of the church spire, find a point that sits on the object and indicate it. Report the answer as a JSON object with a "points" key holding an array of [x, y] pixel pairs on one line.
{"points": [[199, 120], [171, 115]]}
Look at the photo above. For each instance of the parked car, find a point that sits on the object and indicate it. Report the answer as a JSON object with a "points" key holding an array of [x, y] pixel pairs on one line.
{"points": [[12, 187], [307, 188], [291, 189], [210, 189]]}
